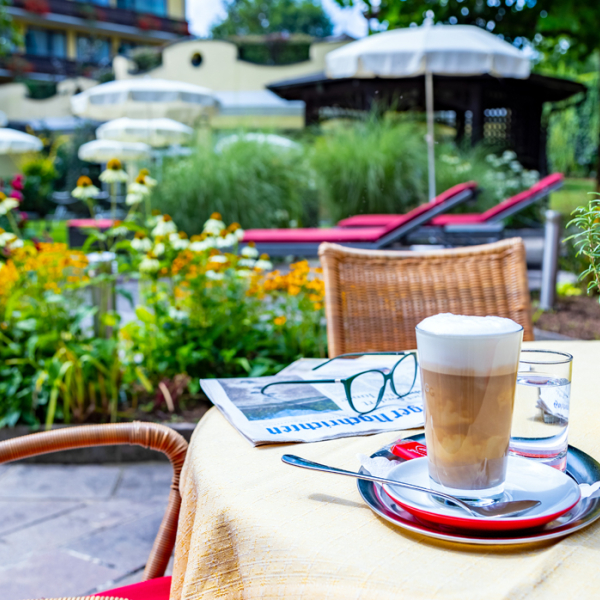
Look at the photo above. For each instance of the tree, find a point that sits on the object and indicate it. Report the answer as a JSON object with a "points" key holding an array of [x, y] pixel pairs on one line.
{"points": [[260, 17], [565, 27], [10, 37]]}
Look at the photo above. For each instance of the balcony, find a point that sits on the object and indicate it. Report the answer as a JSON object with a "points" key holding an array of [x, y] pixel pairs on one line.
{"points": [[96, 15], [41, 67]]}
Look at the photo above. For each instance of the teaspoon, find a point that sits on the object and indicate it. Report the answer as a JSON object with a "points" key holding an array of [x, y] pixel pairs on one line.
{"points": [[496, 509]]}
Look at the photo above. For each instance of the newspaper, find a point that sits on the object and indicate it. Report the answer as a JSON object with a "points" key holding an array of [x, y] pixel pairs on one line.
{"points": [[313, 412]]}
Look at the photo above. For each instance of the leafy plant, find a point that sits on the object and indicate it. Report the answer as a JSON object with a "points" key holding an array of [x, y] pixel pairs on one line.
{"points": [[587, 242]]}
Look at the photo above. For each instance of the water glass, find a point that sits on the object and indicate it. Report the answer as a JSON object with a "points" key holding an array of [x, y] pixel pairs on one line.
{"points": [[540, 423]]}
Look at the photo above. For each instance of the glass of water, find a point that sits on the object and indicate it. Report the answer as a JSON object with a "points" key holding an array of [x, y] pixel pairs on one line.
{"points": [[540, 423]]}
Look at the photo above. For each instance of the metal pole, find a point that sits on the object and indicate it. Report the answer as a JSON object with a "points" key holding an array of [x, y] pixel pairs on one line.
{"points": [[430, 133], [550, 260]]}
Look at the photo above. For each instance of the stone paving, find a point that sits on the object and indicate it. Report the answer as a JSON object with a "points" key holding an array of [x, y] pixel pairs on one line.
{"points": [[75, 530]]}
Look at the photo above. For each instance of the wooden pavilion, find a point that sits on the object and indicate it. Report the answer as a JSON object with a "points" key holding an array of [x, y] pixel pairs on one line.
{"points": [[504, 112]]}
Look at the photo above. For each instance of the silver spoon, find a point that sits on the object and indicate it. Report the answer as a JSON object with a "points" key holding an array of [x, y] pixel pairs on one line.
{"points": [[497, 509]]}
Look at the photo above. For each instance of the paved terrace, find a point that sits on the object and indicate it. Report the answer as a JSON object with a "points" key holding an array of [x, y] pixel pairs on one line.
{"points": [[70, 530]]}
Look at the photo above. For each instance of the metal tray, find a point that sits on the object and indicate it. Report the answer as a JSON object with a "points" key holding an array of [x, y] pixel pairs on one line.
{"points": [[580, 466]]}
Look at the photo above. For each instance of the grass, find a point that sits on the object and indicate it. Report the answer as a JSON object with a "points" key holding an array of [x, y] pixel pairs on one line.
{"points": [[47, 230], [574, 193]]}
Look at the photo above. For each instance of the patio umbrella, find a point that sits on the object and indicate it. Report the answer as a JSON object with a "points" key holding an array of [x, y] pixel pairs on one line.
{"points": [[157, 133], [144, 98], [17, 142], [442, 50], [260, 138], [101, 151]]}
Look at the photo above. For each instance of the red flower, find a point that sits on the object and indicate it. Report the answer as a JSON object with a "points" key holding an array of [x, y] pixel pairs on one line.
{"points": [[18, 182], [16, 194]]}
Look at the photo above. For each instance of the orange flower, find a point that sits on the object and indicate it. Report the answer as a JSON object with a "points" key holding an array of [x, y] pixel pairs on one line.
{"points": [[279, 321]]}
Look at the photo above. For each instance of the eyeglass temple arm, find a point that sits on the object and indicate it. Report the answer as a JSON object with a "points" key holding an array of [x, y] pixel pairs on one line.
{"points": [[262, 391], [362, 354]]}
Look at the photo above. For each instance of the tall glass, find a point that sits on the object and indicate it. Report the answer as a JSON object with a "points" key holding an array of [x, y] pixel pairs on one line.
{"points": [[540, 426], [468, 375]]}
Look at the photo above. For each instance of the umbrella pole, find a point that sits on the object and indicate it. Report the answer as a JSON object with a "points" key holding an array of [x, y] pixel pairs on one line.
{"points": [[430, 133]]}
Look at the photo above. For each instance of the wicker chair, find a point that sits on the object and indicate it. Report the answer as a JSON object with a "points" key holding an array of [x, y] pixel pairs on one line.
{"points": [[149, 435], [375, 298]]}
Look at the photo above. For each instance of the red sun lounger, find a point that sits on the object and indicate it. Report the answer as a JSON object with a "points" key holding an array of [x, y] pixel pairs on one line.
{"points": [[305, 242], [506, 208]]}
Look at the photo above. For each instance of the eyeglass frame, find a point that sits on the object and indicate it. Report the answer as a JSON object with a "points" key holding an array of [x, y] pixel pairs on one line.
{"points": [[347, 381]]}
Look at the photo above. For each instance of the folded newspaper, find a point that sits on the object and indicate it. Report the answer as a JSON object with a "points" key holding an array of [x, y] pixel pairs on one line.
{"points": [[314, 412]]}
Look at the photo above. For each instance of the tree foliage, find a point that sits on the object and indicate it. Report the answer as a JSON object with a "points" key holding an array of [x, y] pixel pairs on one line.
{"points": [[260, 17], [10, 37]]}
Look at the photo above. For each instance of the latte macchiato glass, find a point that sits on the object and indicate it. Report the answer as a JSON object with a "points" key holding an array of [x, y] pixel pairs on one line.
{"points": [[468, 374]]}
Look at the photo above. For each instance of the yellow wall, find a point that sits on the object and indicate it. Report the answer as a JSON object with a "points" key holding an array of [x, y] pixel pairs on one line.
{"points": [[176, 9], [222, 71]]}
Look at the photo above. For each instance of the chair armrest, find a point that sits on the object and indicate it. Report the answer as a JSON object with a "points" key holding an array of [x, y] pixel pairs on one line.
{"points": [[149, 435]]}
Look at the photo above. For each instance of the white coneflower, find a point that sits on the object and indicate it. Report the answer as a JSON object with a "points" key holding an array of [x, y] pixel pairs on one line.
{"points": [[141, 243], [85, 189], [6, 237], [202, 245], [114, 172], [263, 263], [145, 175], [214, 225], [7, 204], [179, 241], [214, 275], [218, 258], [159, 249], [164, 226], [226, 241], [133, 199], [246, 262], [244, 273], [249, 252], [149, 264]]}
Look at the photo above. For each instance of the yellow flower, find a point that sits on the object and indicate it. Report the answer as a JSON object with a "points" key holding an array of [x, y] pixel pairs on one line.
{"points": [[114, 164], [84, 181], [318, 306], [279, 320]]}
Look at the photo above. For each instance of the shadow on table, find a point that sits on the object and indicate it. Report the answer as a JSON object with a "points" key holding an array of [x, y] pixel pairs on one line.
{"points": [[333, 500]]}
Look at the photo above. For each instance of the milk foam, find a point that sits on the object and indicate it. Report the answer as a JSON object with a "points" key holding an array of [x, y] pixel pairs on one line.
{"points": [[467, 345], [450, 324]]}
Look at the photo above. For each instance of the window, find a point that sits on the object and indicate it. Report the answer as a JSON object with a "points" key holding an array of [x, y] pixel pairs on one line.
{"points": [[46, 42], [94, 50], [153, 7]]}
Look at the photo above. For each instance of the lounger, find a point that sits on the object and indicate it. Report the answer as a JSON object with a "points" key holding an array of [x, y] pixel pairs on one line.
{"points": [[305, 242], [499, 212]]}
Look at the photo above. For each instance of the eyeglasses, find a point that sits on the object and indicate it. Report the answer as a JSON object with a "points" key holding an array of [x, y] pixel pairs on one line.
{"points": [[365, 390]]}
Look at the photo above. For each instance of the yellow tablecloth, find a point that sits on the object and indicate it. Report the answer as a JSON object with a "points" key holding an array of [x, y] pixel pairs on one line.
{"points": [[252, 527]]}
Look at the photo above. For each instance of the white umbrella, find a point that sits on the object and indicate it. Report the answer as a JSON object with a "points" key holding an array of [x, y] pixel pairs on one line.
{"points": [[441, 50], [144, 98], [101, 151], [17, 142], [155, 132], [260, 138]]}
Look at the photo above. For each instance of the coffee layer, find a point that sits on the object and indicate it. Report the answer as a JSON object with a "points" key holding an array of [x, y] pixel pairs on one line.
{"points": [[467, 426]]}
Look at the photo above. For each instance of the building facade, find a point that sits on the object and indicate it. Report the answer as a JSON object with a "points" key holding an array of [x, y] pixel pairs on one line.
{"points": [[67, 38]]}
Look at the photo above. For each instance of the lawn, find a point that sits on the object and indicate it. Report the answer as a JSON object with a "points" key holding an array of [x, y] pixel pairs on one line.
{"points": [[573, 194]]}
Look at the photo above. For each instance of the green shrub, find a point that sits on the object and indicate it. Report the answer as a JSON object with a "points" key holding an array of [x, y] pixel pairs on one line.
{"points": [[371, 167], [255, 184]]}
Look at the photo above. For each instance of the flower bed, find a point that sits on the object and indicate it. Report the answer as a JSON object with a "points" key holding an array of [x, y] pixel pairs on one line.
{"points": [[206, 309]]}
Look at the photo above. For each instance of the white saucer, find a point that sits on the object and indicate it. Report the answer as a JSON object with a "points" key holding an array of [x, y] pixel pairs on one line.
{"points": [[525, 480]]}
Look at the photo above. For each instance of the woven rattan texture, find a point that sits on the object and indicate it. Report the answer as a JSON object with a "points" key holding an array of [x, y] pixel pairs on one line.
{"points": [[375, 298], [149, 435]]}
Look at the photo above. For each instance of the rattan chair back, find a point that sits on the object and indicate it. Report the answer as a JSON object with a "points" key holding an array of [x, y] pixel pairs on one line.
{"points": [[149, 435], [375, 298]]}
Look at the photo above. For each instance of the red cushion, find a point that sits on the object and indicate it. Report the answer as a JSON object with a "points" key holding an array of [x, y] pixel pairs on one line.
{"points": [[154, 589], [93, 223], [394, 221], [496, 211], [334, 234]]}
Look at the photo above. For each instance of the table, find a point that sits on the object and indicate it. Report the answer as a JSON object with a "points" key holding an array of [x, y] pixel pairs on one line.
{"points": [[252, 527]]}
